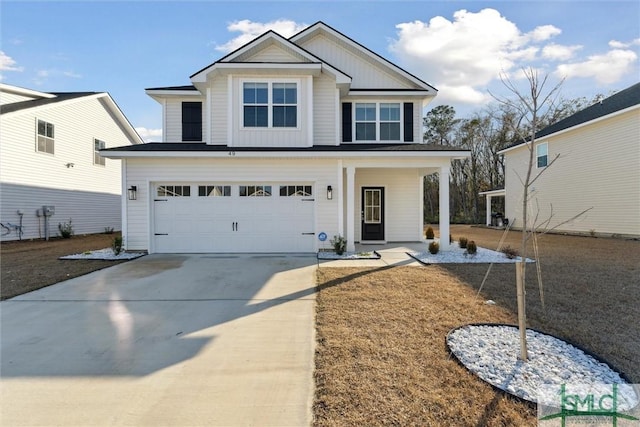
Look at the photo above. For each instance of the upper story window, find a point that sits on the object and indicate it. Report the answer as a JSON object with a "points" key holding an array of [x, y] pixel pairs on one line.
{"points": [[542, 155], [192, 121], [377, 121], [45, 141], [270, 104], [97, 146]]}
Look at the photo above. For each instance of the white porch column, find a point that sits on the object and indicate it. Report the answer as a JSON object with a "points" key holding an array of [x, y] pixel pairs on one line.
{"points": [[488, 209], [351, 234], [444, 207]]}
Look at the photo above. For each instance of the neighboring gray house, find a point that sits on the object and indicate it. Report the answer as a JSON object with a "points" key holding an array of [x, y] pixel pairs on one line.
{"points": [[598, 169], [49, 156], [283, 140]]}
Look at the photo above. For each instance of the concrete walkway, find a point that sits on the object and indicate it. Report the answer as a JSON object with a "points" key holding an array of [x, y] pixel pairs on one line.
{"points": [[198, 340], [390, 254]]}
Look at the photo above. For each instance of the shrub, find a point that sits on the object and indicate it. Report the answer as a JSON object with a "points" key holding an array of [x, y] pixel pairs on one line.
{"points": [[116, 246], [471, 247], [339, 244], [429, 233], [66, 229], [108, 230], [510, 252], [463, 242], [434, 247]]}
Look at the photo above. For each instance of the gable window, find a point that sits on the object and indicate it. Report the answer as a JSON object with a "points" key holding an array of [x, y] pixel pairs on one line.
{"points": [[542, 154], [270, 105], [97, 146], [192, 121], [45, 142], [378, 121]]}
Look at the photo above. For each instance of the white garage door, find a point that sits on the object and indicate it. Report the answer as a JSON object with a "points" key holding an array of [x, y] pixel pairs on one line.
{"points": [[225, 217]]}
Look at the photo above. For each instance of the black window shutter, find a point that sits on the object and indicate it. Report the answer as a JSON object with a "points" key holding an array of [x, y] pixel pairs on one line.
{"points": [[408, 122], [192, 121], [346, 122]]}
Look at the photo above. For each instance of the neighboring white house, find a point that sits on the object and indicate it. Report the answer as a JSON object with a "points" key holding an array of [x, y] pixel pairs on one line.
{"points": [[281, 142], [49, 156], [598, 169]]}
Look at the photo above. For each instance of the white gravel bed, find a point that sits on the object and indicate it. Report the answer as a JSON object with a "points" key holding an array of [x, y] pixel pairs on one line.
{"points": [[104, 254], [491, 352], [348, 255], [457, 255]]}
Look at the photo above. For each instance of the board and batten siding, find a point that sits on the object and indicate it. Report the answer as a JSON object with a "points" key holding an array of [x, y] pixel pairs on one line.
{"points": [[402, 201], [145, 172], [365, 72], [219, 112], [273, 53], [173, 117], [325, 112], [598, 168], [76, 190]]}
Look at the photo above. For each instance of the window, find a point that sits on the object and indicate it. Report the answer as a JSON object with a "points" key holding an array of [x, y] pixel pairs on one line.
{"points": [[295, 191], [542, 154], [192, 121], [270, 104], [390, 122], [45, 140], [174, 191], [214, 191], [97, 146], [255, 191], [365, 122], [377, 122]]}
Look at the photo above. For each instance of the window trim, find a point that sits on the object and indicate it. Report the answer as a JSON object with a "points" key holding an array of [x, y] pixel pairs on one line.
{"points": [[545, 155], [47, 139], [103, 160], [270, 105], [378, 121]]}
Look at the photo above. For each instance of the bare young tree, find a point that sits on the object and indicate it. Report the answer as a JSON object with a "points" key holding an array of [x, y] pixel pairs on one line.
{"points": [[533, 106]]}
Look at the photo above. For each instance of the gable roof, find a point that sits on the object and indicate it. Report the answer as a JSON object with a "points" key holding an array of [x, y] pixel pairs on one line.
{"points": [[627, 98], [32, 103], [323, 27]]}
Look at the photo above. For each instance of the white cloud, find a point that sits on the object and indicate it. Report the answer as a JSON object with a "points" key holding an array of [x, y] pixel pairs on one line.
{"points": [[149, 135], [615, 44], [43, 76], [557, 52], [7, 63], [468, 53], [605, 69], [72, 74], [249, 30]]}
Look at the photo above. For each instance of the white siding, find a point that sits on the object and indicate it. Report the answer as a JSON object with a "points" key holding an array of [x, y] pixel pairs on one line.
{"points": [[325, 114], [598, 168], [144, 172], [10, 98], [366, 73], [402, 201], [219, 111], [84, 186], [173, 115]]}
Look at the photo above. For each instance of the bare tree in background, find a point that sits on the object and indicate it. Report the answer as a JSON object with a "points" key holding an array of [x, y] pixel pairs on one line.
{"points": [[532, 106]]}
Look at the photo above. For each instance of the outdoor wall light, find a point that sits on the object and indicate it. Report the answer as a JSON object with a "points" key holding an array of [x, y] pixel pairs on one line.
{"points": [[133, 192], [329, 193]]}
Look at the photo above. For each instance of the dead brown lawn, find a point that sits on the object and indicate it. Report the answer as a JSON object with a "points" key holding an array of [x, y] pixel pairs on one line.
{"points": [[381, 357]]}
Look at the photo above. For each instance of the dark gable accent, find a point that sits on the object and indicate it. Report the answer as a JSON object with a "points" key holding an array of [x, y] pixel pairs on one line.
{"points": [[192, 121], [408, 122], [346, 122]]}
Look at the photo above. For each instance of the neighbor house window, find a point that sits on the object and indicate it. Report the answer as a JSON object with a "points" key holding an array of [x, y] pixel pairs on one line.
{"points": [[255, 190], [45, 142], [378, 122], [542, 154], [97, 146], [214, 191], [270, 104]]}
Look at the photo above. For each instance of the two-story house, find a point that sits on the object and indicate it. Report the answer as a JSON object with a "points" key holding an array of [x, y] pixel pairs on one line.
{"points": [[50, 156], [281, 142]]}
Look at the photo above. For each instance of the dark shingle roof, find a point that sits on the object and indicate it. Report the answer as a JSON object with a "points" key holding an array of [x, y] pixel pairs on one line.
{"points": [[186, 87], [59, 96], [619, 101], [202, 147]]}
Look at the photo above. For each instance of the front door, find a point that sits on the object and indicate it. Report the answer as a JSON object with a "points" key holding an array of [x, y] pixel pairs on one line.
{"points": [[372, 213]]}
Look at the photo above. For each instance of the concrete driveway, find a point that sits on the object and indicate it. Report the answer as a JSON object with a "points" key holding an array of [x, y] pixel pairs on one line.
{"points": [[183, 340]]}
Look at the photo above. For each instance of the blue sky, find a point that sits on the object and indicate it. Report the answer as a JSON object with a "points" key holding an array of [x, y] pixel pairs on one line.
{"points": [[123, 47]]}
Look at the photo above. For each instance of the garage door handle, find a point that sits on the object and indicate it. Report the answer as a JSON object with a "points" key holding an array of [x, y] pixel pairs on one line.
{"points": [[308, 234], [234, 226], [161, 234]]}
